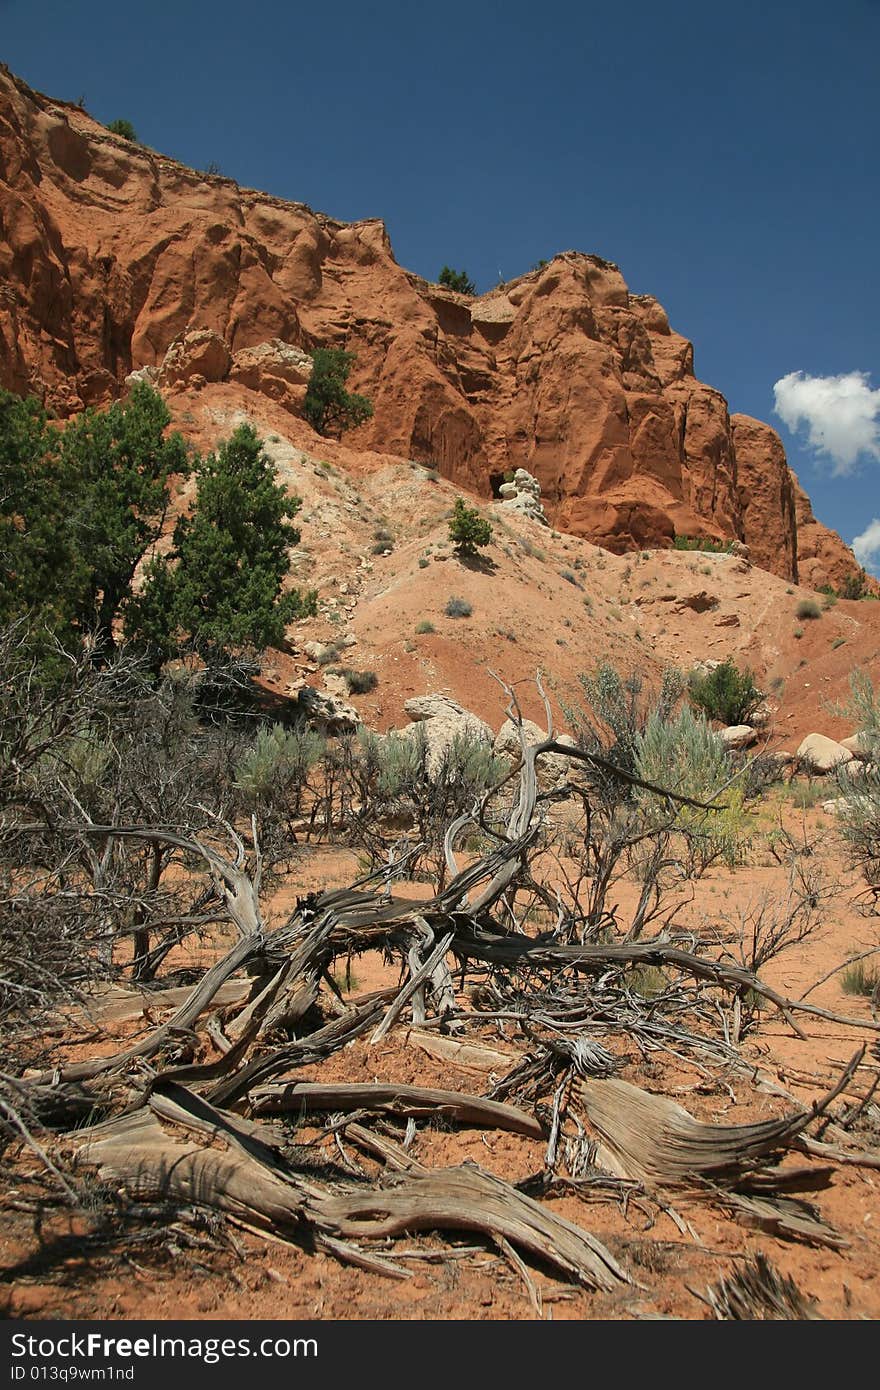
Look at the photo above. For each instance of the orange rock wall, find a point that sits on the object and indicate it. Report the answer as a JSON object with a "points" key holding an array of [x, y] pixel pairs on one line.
{"points": [[109, 252]]}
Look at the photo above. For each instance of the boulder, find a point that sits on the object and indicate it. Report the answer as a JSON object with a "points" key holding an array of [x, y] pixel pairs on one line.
{"points": [[860, 745], [552, 767], [737, 736], [200, 352], [147, 374], [327, 712], [442, 720], [820, 754]]}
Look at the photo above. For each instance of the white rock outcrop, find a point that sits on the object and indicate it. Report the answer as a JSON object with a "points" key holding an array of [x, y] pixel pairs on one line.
{"points": [[552, 768], [523, 495], [326, 711], [442, 720], [276, 369], [860, 745]]}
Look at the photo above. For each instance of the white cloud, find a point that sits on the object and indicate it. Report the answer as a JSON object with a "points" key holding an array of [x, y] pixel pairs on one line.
{"points": [[866, 547], [841, 414]]}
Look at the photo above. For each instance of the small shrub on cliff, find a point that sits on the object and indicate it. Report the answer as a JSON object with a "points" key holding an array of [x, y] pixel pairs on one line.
{"points": [[702, 543], [123, 128], [726, 693], [458, 280], [468, 531], [328, 407]]}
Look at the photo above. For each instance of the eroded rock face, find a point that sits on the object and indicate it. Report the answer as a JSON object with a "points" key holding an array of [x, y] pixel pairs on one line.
{"points": [[822, 556], [275, 369], [766, 487], [199, 353], [112, 253]]}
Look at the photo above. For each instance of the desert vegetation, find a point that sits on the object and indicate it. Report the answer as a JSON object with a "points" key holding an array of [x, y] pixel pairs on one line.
{"points": [[147, 822], [468, 531], [124, 128], [457, 280], [725, 693], [329, 407]]}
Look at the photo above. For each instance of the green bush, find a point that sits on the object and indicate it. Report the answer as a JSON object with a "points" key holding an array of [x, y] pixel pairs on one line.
{"points": [[863, 708], [358, 682], [328, 407], [458, 608], [855, 585], [683, 753], [278, 759], [468, 531], [860, 978], [123, 128], [725, 693], [456, 280], [425, 627], [808, 608], [621, 709]]}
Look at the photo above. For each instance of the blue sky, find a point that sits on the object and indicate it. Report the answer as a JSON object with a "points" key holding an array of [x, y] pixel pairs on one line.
{"points": [[724, 156]]}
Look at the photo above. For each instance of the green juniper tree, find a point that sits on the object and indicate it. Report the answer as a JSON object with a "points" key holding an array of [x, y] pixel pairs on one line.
{"points": [[468, 531], [218, 590], [79, 509], [123, 128], [328, 406], [456, 280]]}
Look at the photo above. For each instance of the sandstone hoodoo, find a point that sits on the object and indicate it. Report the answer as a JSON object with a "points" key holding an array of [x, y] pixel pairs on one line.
{"points": [[117, 259]]}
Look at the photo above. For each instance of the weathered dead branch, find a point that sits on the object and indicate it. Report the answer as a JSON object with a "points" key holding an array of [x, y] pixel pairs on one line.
{"points": [[204, 1106], [657, 1142], [758, 1292], [420, 1102]]}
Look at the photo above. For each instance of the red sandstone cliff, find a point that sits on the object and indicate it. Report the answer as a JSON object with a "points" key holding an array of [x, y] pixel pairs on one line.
{"points": [[109, 252]]}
